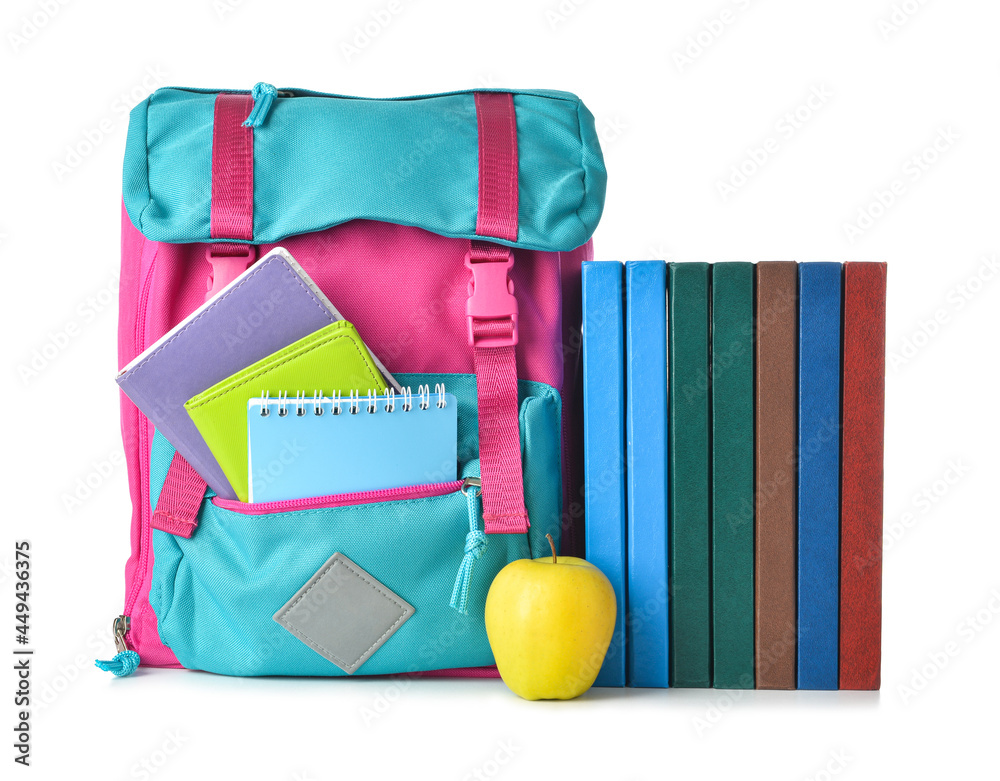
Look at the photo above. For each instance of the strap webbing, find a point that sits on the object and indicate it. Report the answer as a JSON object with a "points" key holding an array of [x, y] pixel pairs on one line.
{"points": [[493, 337], [232, 169], [177, 507], [496, 216], [232, 189]]}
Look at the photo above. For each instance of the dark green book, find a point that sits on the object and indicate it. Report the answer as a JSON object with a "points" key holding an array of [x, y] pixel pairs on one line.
{"points": [[732, 476], [690, 491]]}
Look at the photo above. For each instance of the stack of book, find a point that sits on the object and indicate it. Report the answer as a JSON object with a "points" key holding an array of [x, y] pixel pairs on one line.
{"points": [[733, 470]]}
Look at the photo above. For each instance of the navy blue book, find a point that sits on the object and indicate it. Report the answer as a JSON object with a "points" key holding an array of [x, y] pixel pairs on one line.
{"points": [[819, 474], [646, 470], [604, 442]]}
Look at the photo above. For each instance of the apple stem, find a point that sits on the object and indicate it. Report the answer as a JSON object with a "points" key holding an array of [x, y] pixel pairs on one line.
{"points": [[555, 559]]}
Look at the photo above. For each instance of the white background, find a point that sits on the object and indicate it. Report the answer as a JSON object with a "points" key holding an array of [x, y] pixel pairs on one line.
{"points": [[672, 128]]}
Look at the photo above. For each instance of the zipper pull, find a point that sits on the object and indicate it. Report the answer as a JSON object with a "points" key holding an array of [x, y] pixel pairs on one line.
{"points": [[475, 544], [263, 95], [125, 661]]}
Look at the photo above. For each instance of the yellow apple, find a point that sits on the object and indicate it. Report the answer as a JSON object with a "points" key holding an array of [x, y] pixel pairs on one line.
{"points": [[549, 622]]}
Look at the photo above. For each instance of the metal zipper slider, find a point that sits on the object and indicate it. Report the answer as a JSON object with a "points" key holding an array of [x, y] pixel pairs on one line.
{"points": [[125, 661]]}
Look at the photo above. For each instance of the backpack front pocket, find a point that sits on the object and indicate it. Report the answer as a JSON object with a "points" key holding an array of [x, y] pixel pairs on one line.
{"points": [[216, 593]]}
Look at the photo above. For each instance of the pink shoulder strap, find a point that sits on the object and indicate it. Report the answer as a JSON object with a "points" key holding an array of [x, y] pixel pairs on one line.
{"points": [[492, 313], [232, 191]]}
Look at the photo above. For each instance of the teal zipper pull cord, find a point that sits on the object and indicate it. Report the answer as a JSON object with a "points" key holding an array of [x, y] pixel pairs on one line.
{"points": [[125, 662], [475, 544], [263, 95]]}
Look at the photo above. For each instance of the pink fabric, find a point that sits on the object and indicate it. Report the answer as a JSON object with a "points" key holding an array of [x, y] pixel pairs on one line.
{"points": [[499, 438], [571, 542], [409, 307], [180, 500], [232, 169], [493, 318], [339, 500], [135, 286], [497, 213], [232, 191]]}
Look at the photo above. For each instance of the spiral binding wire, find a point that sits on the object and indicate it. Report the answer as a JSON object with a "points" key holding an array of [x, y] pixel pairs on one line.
{"points": [[372, 402]]}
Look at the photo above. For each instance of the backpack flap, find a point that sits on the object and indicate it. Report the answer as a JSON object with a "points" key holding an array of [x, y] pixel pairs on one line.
{"points": [[322, 160]]}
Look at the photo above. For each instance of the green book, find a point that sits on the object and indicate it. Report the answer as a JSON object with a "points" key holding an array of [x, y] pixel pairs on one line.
{"points": [[689, 493], [732, 476]]}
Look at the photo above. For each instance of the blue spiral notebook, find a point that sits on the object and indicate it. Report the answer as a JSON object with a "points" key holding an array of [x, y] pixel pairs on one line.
{"points": [[301, 447]]}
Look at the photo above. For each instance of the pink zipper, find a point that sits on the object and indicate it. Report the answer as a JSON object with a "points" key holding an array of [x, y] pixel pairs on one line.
{"points": [[341, 500], [144, 542]]}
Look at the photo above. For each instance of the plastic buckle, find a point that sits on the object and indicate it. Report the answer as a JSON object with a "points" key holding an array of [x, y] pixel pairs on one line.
{"points": [[491, 297], [225, 267]]}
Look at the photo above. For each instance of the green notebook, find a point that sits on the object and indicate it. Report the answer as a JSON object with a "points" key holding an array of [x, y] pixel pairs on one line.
{"points": [[732, 476], [690, 584], [331, 360]]}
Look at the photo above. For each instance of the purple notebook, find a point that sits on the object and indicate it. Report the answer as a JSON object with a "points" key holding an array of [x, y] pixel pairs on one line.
{"points": [[271, 305]]}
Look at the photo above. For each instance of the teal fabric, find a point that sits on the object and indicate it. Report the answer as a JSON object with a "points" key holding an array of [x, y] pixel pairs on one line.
{"points": [[214, 594], [321, 160]]}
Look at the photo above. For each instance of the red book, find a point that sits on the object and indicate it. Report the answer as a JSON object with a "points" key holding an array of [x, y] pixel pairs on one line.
{"points": [[861, 476]]}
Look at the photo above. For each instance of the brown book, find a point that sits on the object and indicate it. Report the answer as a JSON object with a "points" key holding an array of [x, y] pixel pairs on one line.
{"points": [[775, 438]]}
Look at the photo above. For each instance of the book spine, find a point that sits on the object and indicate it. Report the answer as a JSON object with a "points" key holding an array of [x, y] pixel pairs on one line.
{"points": [[775, 517], [646, 468], [688, 425], [861, 483], [819, 474], [604, 443], [732, 476]]}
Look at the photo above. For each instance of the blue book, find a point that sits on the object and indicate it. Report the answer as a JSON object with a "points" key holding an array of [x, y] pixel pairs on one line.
{"points": [[819, 474], [314, 446], [604, 442], [646, 469]]}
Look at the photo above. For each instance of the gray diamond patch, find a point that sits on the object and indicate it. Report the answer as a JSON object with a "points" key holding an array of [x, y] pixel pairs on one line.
{"points": [[343, 613]]}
